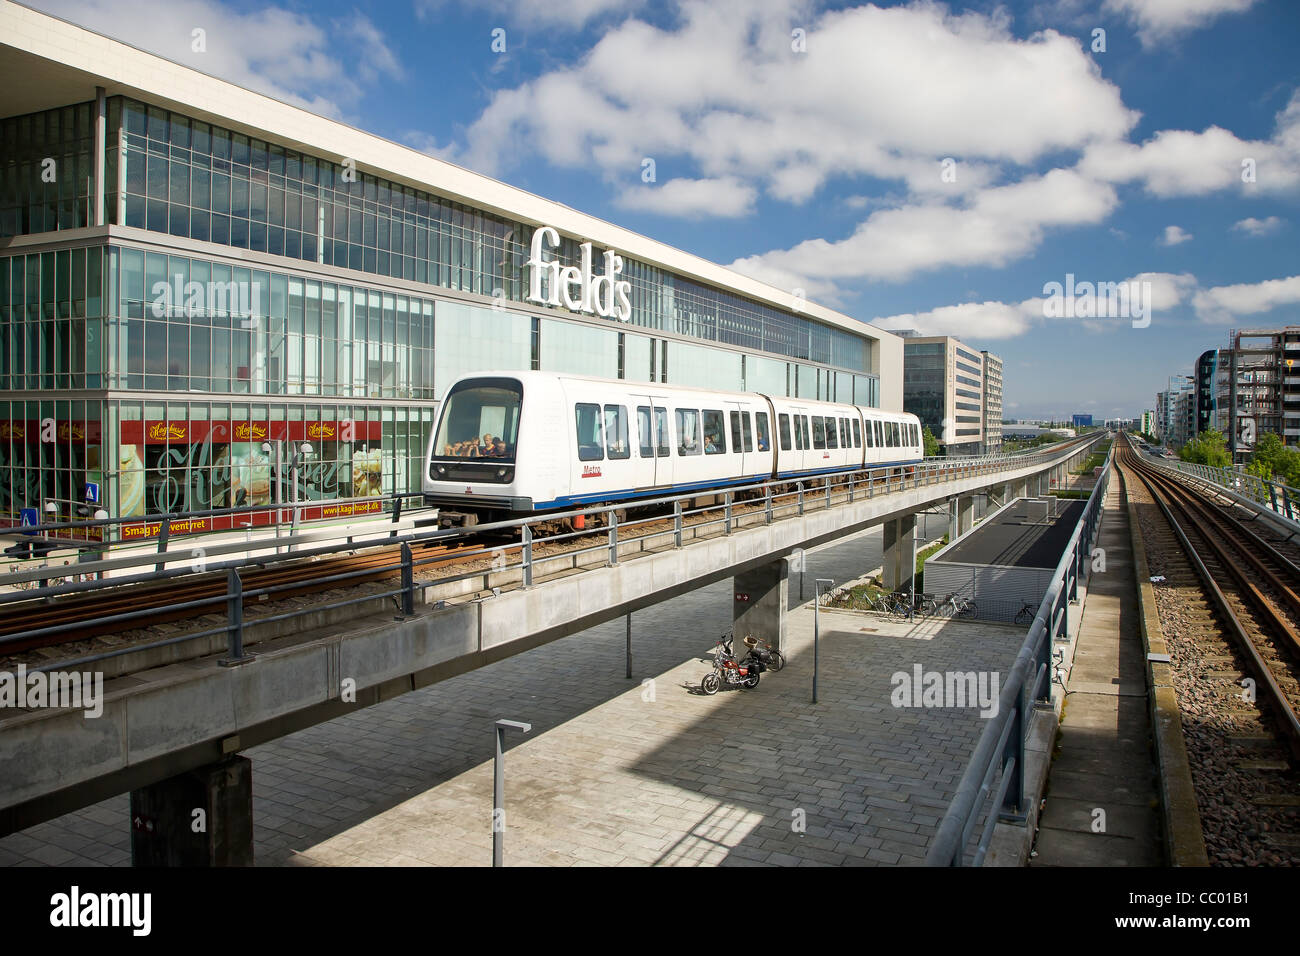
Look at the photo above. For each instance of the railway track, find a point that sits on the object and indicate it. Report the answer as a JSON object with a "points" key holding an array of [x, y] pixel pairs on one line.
{"points": [[1229, 602], [97, 613]]}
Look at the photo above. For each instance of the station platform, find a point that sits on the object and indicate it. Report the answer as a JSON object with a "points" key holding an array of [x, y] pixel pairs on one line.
{"points": [[610, 777], [1102, 806]]}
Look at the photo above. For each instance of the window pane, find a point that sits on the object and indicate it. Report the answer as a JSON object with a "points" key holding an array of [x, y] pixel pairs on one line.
{"points": [[783, 425], [715, 442], [644, 431], [688, 435], [588, 428], [616, 440]]}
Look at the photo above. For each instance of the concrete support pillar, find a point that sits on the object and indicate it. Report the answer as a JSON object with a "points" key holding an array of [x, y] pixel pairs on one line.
{"points": [[759, 604], [898, 565], [965, 514], [954, 519], [203, 817]]}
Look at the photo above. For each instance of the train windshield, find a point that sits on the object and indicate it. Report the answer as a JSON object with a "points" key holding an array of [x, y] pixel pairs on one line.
{"points": [[480, 419]]}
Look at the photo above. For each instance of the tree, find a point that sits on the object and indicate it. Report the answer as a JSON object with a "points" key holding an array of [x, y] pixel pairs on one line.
{"points": [[1207, 448], [1274, 461], [931, 443]]}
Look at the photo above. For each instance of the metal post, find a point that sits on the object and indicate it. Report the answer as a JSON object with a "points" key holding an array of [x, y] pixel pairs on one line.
{"points": [[677, 524], [828, 493], [850, 489], [629, 646], [799, 486], [726, 512], [234, 621], [613, 537], [767, 502], [528, 556], [408, 580], [817, 628], [499, 785], [164, 531]]}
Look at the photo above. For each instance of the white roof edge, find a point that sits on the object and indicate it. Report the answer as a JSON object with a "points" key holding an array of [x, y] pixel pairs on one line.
{"points": [[128, 70]]}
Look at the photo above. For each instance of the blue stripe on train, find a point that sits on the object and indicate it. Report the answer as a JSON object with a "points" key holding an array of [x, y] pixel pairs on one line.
{"points": [[624, 494]]}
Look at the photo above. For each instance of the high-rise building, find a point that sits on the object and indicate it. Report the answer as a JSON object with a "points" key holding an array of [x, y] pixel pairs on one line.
{"points": [[943, 386], [991, 402], [1250, 388]]}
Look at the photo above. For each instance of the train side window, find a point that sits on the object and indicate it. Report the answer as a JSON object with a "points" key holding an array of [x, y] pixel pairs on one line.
{"points": [[616, 441], [688, 432], [749, 431], [831, 441], [893, 434], [799, 442], [645, 431], [760, 426], [783, 426], [844, 433], [661, 428], [870, 436], [819, 432], [857, 433], [737, 442], [715, 439], [589, 437], [879, 428]]}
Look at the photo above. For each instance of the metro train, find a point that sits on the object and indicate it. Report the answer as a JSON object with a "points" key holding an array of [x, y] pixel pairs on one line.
{"points": [[515, 444]]}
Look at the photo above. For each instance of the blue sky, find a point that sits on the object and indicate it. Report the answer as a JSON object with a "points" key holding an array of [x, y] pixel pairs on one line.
{"points": [[814, 160]]}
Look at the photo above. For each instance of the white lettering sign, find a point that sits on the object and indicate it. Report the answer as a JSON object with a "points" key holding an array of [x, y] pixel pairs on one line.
{"points": [[575, 287]]}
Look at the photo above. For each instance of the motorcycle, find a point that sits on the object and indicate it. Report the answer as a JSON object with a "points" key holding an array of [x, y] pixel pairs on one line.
{"points": [[727, 670], [761, 652]]}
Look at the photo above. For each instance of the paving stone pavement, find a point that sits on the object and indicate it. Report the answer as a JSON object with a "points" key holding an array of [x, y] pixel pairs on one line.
{"points": [[608, 777]]}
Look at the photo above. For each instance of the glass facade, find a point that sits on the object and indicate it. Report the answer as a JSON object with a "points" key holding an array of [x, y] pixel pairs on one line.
{"points": [[167, 374]]}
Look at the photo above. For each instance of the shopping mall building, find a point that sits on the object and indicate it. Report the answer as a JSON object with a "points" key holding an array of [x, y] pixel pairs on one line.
{"points": [[190, 271]]}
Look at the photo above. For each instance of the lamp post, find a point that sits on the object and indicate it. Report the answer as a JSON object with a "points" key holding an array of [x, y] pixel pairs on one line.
{"points": [[499, 786], [817, 626]]}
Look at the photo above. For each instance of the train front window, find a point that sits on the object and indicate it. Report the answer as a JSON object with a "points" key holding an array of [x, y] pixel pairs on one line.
{"points": [[480, 419]]}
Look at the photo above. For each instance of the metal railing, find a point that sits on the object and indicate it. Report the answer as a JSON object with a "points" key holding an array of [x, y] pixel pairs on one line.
{"points": [[763, 502], [1002, 744], [1274, 495]]}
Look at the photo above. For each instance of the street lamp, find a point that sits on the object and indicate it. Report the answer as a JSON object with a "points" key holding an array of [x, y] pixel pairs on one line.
{"points": [[817, 628], [499, 786]]}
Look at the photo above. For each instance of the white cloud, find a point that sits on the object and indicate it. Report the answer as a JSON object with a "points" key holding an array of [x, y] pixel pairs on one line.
{"points": [[725, 91], [276, 51], [571, 14], [1161, 292], [971, 320], [1159, 20], [994, 227], [1258, 227], [1223, 304], [726, 197], [1174, 235], [1184, 163]]}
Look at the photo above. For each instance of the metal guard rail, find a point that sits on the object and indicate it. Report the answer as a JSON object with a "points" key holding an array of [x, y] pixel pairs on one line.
{"points": [[1002, 743], [1274, 495], [870, 481]]}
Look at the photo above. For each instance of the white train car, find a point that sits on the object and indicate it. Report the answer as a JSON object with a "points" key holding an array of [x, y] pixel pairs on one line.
{"points": [[516, 443]]}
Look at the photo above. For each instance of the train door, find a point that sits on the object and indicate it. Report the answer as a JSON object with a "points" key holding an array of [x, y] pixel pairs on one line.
{"points": [[740, 430], [654, 442]]}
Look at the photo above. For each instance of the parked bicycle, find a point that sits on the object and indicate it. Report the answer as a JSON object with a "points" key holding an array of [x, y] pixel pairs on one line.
{"points": [[1026, 614], [957, 606]]}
